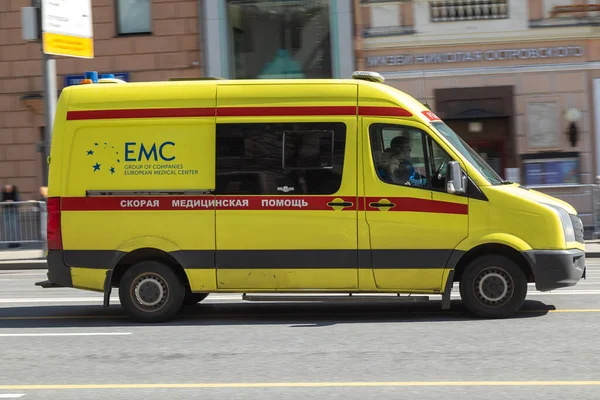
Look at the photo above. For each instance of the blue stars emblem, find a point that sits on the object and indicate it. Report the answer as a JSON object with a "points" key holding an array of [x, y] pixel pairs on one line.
{"points": [[104, 155]]}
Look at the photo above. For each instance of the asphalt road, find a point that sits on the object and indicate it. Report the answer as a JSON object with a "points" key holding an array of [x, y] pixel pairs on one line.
{"points": [[55, 343]]}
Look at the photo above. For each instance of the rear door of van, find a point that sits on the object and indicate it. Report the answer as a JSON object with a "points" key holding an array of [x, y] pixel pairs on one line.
{"points": [[139, 175]]}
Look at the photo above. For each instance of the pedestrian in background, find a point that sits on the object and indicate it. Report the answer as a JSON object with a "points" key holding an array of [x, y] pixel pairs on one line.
{"points": [[10, 221], [43, 194]]}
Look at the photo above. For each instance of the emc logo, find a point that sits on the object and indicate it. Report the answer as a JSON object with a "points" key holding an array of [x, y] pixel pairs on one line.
{"points": [[135, 153]]}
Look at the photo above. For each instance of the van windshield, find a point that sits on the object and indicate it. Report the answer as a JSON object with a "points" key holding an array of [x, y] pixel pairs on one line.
{"points": [[466, 151]]}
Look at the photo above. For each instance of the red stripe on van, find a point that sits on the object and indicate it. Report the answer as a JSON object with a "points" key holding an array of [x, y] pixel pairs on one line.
{"points": [[238, 112], [285, 111], [372, 111], [255, 203], [164, 203], [141, 113], [409, 204]]}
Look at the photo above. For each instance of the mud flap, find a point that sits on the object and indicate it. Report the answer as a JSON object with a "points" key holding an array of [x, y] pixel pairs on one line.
{"points": [[107, 287], [448, 291]]}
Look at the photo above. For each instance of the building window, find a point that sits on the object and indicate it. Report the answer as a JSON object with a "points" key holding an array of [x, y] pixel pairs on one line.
{"points": [[279, 39], [468, 10], [134, 17], [280, 158]]}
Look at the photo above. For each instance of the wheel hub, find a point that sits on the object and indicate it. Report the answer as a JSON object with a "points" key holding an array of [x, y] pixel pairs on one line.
{"points": [[494, 287], [150, 292]]}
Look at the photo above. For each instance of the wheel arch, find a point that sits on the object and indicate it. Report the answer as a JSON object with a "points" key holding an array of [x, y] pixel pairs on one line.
{"points": [[147, 254], [494, 248]]}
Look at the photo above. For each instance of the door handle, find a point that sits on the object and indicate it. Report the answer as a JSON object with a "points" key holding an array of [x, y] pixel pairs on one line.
{"points": [[339, 204], [382, 205]]}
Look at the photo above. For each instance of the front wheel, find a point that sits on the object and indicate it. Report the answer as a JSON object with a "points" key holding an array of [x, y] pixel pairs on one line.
{"points": [[150, 291], [493, 286]]}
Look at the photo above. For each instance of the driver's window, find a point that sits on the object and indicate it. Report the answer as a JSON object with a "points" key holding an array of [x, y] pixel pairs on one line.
{"points": [[438, 163], [398, 154]]}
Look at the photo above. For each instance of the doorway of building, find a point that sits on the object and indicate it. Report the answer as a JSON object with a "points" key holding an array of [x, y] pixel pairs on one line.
{"points": [[491, 139], [492, 152], [484, 118], [280, 39]]}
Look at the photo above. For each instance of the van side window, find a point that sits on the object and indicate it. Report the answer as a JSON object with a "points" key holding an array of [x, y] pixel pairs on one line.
{"points": [[398, 154], [280, 158]]}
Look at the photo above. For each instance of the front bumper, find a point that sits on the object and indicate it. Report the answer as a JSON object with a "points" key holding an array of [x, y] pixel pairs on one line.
{"points": [[554, 269]]}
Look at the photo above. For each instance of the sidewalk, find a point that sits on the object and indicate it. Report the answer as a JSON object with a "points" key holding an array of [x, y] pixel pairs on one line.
{"points": [[592, 249], [34, 259], [22, 259]]}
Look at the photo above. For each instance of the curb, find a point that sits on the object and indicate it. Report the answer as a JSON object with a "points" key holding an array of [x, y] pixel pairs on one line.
{"points": [[18, 265]]}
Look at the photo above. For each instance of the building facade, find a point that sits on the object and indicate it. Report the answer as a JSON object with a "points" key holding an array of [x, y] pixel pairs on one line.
{"points": [[139, 40], [145, 40], [518, 80]]}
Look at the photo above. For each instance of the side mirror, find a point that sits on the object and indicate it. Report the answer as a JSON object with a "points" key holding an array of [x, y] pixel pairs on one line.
{"points": [[456, 180]]}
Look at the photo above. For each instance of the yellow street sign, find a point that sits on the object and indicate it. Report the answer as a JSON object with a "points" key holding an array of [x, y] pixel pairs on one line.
{"points": [[64, 45], [67, 27]]}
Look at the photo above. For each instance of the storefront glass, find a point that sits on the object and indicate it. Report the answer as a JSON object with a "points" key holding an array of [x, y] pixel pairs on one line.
{"points": [[551, 168], [279, 38]]}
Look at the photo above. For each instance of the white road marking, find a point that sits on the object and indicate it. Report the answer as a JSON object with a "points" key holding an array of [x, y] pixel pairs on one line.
{"points": [[216, 297], [65, 334], [51, 300], [80, 299], [11, 395], [564, 293]]}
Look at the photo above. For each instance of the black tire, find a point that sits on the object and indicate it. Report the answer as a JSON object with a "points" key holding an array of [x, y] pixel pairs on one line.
{"points": [[192, 298], [158, 284], [493, 286]]}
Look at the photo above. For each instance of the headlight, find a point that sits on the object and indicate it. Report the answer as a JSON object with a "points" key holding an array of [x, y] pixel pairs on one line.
{"points": [[567, 224]]}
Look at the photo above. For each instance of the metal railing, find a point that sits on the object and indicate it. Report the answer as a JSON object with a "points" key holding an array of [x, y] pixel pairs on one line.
{"points": [[584, 197], [23, 225], [596, 196]]}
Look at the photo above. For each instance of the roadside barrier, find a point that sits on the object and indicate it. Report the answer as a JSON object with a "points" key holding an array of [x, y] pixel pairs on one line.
{"points": [[584, 197], [23, 225]]}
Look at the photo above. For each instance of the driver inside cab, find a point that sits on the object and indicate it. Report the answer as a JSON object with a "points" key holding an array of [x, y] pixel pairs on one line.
{"points": [[397, 165]]}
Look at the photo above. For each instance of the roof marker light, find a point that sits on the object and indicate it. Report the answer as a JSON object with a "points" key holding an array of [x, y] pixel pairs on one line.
{"points": [[91, 75], [368, 76], [111, 80]]}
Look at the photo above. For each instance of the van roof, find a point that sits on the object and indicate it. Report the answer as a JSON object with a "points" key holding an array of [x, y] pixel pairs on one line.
{"points": [[202, 93]]}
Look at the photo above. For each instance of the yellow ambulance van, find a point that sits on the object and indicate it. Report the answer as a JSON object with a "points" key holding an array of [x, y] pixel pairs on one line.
{"points": [[170, 191]]}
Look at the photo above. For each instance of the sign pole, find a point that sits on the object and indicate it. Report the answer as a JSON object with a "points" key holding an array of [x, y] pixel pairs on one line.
{"points": [[50, 93], [66, 30]]}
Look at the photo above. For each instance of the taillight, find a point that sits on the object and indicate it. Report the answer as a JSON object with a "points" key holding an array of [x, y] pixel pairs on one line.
{"points": [[54, 225]]}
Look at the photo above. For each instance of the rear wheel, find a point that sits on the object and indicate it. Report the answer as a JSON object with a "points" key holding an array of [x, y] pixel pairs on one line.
{"points": [[150, 291], [493, 286]]}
